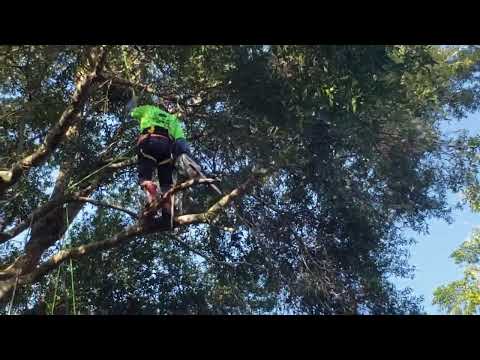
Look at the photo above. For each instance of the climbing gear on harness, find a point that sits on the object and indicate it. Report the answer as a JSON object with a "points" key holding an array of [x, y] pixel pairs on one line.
{"points": [[158, 130], [166, 161]]}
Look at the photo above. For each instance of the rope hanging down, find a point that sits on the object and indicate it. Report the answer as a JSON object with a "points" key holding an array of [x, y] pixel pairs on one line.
{"points": [[52, 307]]}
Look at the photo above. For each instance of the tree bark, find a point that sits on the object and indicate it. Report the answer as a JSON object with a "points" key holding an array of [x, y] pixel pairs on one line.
{"points": [[56, 133], [130, 233]]}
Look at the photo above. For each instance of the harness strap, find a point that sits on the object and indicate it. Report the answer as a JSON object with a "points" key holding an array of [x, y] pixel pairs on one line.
{"points": [[163, 162], [146, 136]]}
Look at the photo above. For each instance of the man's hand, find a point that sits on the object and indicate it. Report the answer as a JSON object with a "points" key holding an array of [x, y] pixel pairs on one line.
{"points": [[131, 104], [181, 147]]}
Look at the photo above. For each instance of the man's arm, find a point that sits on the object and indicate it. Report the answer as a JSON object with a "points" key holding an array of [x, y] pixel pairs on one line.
{"points": [[137, 112], [181, 146], [131, 105]]}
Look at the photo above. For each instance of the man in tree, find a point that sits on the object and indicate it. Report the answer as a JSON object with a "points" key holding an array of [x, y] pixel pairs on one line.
{"points": [[161, 141]]}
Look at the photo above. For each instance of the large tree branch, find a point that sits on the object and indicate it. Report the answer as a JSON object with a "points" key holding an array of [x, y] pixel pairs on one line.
{"points": [[214, 210], [128, 234], [83, 250], [134, 215], [79, 197], [57, 132], [142, 229]]}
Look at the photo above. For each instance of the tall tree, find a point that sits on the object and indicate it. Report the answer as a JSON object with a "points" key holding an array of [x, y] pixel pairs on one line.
{"points": [[325, 153]]}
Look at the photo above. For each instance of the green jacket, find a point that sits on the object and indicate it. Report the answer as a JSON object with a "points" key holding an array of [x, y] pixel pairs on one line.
{"points": [[149, 115]]}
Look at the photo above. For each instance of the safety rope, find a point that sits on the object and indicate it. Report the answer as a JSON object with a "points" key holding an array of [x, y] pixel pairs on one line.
{"points": [[71, 269], [55, 291], [52, 308], [13, 295]]}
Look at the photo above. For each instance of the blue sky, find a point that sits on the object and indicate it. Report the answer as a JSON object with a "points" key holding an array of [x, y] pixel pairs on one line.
{"points": [[431, 254]]}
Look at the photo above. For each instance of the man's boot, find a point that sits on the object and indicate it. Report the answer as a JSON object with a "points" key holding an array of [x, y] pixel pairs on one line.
{"points": [[150, 189]]}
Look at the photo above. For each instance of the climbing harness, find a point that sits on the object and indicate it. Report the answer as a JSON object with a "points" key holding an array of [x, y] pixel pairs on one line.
{"points": [[166, 161]]}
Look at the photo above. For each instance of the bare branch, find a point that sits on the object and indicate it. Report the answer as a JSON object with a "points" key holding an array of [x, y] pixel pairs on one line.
{"points": [[123, 164], [214, 210], [127, 83], [103, 204], [175, 189], [187, 184]]}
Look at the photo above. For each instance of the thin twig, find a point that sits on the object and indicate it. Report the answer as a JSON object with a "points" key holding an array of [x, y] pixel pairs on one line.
{"points": [[103, 204]]}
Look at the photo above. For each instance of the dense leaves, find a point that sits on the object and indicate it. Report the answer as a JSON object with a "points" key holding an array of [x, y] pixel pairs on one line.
{"points": [[351, 134]]}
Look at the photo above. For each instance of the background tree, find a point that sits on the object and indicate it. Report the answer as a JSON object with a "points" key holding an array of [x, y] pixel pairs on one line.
{"points": [[462, 297]]}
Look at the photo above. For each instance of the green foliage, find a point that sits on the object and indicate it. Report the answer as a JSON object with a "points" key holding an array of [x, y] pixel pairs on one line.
{"points": [[351, 131], [462, 297]]}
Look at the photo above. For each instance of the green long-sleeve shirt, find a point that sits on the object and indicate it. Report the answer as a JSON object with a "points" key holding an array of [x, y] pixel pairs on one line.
{"points": [[149, 115]]}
